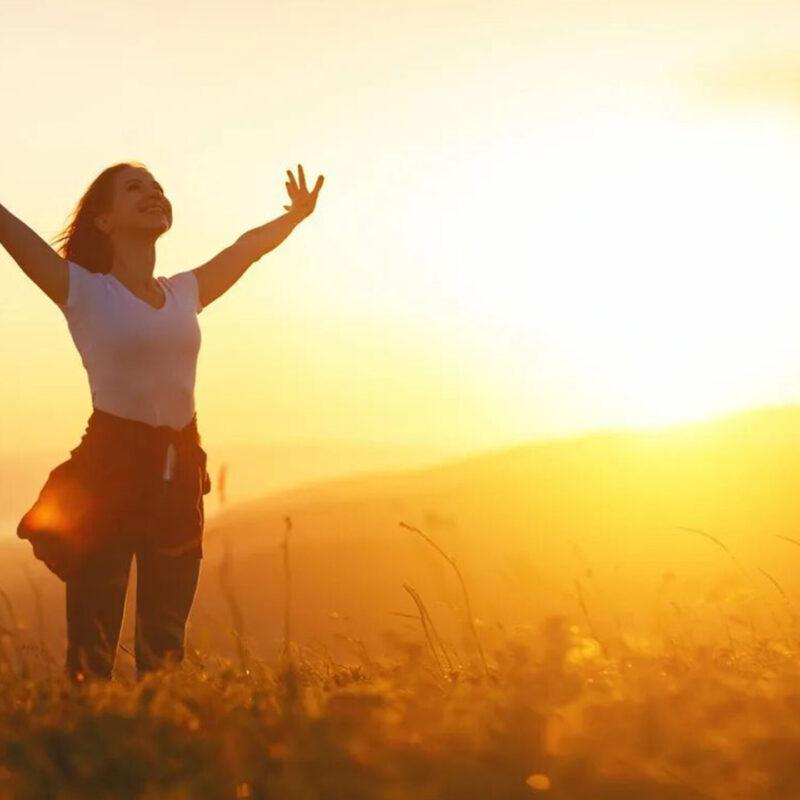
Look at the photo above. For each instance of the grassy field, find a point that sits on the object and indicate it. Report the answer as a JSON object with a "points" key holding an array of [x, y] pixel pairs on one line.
{"points": [[608, 618], [555, 710], [554, 716]]}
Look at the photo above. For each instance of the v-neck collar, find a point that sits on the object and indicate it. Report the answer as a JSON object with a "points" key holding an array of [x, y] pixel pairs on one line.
{"points": [[136, 296]]}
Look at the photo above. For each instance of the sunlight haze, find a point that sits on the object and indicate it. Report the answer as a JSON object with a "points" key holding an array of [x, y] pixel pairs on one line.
{"points": [[537, 218]]}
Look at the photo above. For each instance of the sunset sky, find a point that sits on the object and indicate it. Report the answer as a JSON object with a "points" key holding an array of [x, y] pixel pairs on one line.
{"points": [[538, 217]]}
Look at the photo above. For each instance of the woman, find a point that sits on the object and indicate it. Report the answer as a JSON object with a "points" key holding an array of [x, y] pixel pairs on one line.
{"points": [[135, 483]]}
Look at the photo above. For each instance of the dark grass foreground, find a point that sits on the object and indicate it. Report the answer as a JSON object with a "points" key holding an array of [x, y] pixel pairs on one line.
{"points": [[541, 712]]}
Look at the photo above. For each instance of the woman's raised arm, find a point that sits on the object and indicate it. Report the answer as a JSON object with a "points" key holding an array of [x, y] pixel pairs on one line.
{"points": [[220, 273], [43, 265]]}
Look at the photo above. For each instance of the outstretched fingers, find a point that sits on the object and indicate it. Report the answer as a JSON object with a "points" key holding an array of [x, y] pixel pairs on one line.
{"points": [[300, 195]]}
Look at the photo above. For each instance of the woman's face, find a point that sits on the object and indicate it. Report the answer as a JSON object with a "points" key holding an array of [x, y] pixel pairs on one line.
{"points": [[138, 205]]}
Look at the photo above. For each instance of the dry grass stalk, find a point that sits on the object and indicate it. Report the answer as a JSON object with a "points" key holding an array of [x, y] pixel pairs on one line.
{"points": [[287, 597], [235, 609], [450, 560], [587, 617], [430, 630]]}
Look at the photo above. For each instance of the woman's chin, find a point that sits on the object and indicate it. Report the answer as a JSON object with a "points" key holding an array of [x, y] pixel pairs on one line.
{"points": [[155, 228]]}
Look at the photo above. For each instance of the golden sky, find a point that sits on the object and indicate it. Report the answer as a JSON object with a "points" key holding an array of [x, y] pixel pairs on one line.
{"points": [[537, 217]]}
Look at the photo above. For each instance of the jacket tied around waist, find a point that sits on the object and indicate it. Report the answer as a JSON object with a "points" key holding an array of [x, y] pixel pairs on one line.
{"points": [[115, 476]]}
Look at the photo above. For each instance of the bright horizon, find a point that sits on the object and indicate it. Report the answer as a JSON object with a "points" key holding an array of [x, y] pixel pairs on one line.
{"points": [[536, 221]]}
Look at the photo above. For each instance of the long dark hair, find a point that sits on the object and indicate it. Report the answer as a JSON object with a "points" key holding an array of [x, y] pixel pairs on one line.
{"points": [[82, 241]]}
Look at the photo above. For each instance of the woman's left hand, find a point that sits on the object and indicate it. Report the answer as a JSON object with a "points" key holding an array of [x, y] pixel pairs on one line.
{"points": [[303, 201]]}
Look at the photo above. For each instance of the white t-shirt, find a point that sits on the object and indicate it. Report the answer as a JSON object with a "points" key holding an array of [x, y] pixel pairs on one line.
{"points": [[141, 361]]}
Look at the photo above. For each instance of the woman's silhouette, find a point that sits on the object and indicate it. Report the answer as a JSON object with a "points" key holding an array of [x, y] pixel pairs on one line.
{"points": [[135, 483]]}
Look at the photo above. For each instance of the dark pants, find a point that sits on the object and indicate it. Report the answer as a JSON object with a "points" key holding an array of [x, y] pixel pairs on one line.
{"points": [[95, 598]]}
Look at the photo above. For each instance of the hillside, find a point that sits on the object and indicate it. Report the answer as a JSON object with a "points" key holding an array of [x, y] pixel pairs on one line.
{"points": [[623, 513]]}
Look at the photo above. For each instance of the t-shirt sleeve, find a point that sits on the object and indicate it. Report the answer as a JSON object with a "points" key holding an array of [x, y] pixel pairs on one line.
{"points": [[78, 294], [185, 283]]}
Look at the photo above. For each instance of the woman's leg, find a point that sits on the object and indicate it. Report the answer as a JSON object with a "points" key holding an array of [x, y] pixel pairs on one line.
{"points": [[95, 604], [165, 590]]}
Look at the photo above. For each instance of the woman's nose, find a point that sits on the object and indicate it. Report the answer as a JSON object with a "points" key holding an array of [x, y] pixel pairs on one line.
{"points": [[158, 197]]}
